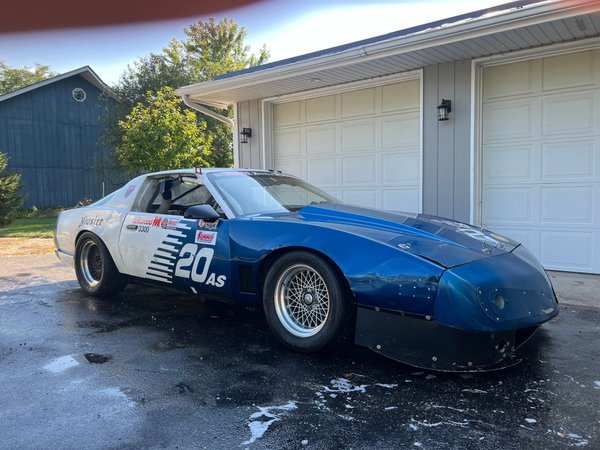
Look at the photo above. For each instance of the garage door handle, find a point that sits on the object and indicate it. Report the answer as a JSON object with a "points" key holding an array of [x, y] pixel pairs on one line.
{"points": [[132, 227]]}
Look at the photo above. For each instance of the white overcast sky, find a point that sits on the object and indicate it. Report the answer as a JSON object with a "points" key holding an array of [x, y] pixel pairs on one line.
{"points": [[287, 27]]}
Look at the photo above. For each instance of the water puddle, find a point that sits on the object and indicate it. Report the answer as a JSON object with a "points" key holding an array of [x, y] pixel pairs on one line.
{"points": [[272, 413]]}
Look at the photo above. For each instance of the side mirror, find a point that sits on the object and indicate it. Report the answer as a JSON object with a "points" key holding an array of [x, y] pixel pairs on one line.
{"points": [[204, 212]]}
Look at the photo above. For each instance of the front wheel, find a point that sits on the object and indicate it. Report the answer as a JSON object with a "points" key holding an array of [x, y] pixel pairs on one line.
{"points": [[95, 268], [304, 302]]}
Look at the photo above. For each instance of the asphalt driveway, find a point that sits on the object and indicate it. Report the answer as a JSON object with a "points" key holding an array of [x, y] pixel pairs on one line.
{"points": [[153, 369]]}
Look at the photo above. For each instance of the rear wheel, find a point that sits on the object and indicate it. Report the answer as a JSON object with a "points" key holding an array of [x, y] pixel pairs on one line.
{"points": [[95, 268], [304, 302]]}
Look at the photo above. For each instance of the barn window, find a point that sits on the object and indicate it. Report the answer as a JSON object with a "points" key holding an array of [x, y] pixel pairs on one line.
{"points": [[79, 94]]}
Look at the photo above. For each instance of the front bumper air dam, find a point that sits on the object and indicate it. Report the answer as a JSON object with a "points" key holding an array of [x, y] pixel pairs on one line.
{"points": [[429, 345], [484, 311]]}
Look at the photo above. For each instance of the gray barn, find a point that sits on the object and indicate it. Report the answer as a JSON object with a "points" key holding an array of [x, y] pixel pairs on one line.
{"points": [[51, 131]]}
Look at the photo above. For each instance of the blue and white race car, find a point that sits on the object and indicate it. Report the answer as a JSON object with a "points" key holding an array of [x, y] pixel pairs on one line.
{"points": [[423, 290]]}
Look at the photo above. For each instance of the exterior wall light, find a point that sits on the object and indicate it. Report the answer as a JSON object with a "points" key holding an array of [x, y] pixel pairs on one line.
{"points": [[246, 134], [443, 109]]}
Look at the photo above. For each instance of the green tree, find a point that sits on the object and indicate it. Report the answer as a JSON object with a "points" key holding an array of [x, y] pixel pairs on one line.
{"points": [[159, 135], [214, 48], [12, 79], [10, 184], [209, 49]]}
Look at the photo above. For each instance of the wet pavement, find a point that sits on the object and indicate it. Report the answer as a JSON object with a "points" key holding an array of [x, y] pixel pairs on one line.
{"points": [[153, 369]]}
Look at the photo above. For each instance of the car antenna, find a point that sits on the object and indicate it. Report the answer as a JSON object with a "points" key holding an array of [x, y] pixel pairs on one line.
{"points": [[198, 170]]}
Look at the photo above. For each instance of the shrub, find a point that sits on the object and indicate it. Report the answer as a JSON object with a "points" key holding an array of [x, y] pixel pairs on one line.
{"points": [[10, 184]]}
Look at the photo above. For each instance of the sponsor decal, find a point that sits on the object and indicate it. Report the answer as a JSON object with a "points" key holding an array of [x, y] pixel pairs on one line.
{"points": [[91, 222], [145, 220], [129, 190], [169, 224], [206, 237], [208, 225]]}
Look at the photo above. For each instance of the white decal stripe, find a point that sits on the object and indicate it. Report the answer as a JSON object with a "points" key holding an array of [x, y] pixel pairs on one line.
{"points": [[159, 269], [168, 247], [152, 277], [164, 254], [165, 276], [171, 240], [162, 263], [183, 226], [175, 234]]}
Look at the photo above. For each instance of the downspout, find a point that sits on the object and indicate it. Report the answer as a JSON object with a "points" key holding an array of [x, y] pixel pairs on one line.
{"points": [[207, 112]]}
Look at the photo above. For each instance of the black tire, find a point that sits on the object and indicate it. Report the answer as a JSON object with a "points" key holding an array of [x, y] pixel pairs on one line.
{"points": [[305, 304], [95, 268]]}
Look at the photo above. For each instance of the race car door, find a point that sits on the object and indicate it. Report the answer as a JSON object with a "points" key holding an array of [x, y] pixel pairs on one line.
{"points": [[159, 244]]}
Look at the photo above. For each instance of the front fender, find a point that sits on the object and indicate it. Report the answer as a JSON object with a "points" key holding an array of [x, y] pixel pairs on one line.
{"points": [[380, 276]]}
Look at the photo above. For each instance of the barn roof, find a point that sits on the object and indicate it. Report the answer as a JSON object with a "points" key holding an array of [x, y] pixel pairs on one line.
{"points": [[86, 72]]}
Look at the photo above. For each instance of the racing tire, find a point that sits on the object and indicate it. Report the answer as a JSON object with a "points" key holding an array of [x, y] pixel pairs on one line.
{"points": [[95, 269], [305, 304]]}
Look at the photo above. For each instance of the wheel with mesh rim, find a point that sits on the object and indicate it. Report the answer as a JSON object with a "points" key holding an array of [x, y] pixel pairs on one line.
{"points": [[304, 302], [95, 268]]}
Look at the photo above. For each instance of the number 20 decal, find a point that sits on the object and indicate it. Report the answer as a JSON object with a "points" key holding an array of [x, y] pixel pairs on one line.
{"points": [[194, 264]]}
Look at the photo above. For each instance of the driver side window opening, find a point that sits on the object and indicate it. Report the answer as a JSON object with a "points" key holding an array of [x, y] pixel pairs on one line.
{"points": [[173, 195]]}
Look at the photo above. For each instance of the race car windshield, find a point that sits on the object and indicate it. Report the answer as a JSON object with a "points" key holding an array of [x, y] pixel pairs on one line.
{"points": [[260, 192]]}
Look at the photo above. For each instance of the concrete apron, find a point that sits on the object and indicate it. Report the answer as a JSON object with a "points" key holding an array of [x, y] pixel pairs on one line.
{"points": [[579, 289]]}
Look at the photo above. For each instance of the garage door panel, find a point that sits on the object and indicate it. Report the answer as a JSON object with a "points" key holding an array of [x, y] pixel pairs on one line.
{"points": [[567, 250], [400, 199], [568, 71], [358, 103], [569, 160], [401, 131], [286, 114], [292, 166], [288, 143], [366, 198], [322, 172], [359, 170], [565, 114], [320, 109], [401, 96], [507, 204], [359, 136], [321, 140], [508, 120], [401, 168], [508, 163], [508, 80], [573, 205]]}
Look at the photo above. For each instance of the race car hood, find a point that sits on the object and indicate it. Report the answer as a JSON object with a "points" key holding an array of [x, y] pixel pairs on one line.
{"points": [[443, 241]]}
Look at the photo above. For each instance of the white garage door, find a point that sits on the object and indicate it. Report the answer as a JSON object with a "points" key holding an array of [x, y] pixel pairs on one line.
{"points": [[361, 146], [541, 157]]}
